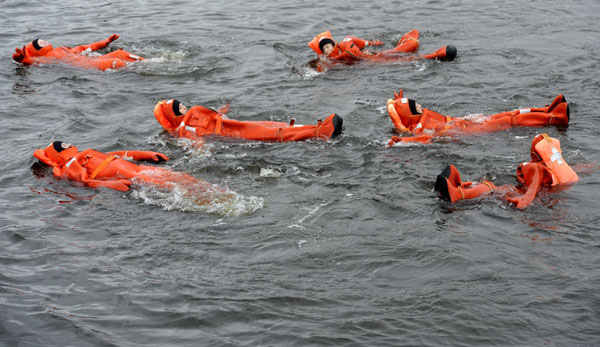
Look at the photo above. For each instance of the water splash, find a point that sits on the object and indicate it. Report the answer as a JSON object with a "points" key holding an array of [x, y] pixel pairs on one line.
{"points": [[212, 200]]}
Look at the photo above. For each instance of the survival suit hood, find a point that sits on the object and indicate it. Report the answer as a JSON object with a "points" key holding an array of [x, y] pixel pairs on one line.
{"points": [[56, 156], [321, 40], [33, 49], [167, 114]]}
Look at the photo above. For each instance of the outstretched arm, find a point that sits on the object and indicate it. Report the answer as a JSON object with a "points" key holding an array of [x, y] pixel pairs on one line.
{"points": [[362, 43], [96, 45], [141, 155]]}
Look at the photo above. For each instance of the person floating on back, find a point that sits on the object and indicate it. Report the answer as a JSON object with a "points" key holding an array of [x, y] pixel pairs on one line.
{"points": [[200, 121], [353, 49], [97, 169], [424, 124], [39, 51], [547, 169]]}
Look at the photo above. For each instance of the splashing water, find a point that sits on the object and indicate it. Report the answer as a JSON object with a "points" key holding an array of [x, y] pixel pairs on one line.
{"points": [[180, 191], [213, 200]]}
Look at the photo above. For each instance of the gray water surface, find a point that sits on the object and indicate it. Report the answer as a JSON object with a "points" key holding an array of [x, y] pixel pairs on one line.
{"points": [[347, 245]]}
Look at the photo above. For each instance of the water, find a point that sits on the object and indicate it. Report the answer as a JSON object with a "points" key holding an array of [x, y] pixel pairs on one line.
{"points": [[337, 243]]}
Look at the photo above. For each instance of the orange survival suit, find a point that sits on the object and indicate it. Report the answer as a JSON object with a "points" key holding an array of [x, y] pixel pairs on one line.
{"points": [[97, 169], [199, 121], [547, 168], [351, 48], [428, 123], [33, 53]]}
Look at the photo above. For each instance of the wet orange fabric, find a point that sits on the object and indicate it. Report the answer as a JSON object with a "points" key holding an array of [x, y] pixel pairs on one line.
{"points": [[544, 171], [78, 56], [97, 169], [429, 124], [200, 121], [351, 49]]}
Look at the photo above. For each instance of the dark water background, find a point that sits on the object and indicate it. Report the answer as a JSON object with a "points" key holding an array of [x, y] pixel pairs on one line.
{"points": [[348, 246]]}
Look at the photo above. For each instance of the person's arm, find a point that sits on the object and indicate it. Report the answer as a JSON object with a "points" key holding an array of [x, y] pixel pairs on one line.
{"points": [[362, 43], [120, 185], [534, 174], [141, 155], [96, 45], [21, 57], [351, 49]]}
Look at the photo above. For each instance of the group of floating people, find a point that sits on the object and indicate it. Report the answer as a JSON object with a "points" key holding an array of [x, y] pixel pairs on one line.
{"points": [[411, 121]]}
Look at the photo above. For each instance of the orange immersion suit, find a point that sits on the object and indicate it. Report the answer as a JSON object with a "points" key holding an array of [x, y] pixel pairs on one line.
{"points": [[97, 169], [547, 169], [429, 124], [351, 48], [200, 121], [77, 56]]}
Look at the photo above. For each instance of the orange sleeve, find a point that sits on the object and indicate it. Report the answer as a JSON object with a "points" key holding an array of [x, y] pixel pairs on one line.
{"points": [[120, 185], [360, 43], [92, 46], [534, 175], [350, 48], [141, 155]]}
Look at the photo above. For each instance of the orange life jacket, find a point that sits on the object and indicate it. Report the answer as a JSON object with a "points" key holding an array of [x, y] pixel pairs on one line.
{"points": [[547, 150], [200, 121], [76, 56]]}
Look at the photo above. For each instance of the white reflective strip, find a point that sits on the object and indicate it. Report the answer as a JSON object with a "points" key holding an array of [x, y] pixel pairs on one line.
{"points": [[133, 56], [170, 101], [88, 49], [70, 162], [404, 100], [418, 126], [347, 39], [180, 125], [556, 157], [190, 128], [524, 110]]}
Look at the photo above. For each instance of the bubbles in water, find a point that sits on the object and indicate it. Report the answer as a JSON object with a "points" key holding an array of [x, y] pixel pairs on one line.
{"points": [[476, 117], [213, 199], [269, 172]]}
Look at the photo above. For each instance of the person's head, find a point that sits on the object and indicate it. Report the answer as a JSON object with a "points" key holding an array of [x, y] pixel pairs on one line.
{"points": [[414, 107], [326, 45], [60, 146], [56, 153], [39, 47], [179, 109], [39, 44]]}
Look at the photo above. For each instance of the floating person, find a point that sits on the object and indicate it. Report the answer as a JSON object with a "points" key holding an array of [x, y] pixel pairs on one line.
{"points": [[547, 169], [351, 49], [425, 125], [39, 51], [96, 169], [199, 121]]}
